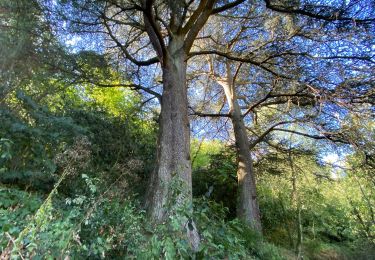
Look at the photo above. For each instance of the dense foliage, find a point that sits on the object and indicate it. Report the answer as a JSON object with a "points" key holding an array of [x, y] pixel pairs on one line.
{"points": [[75, 160]]}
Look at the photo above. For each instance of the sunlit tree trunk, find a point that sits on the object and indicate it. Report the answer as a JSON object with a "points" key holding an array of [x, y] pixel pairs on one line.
{"points": [[247, 202]]}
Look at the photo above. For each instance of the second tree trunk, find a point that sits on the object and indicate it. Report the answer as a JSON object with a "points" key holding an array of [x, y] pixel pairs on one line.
{"points": [[247, 202]]}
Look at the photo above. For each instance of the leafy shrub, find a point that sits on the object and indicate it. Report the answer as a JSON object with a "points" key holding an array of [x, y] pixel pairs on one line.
{"points": [[16, 208], [104, 225], [218, 181]]}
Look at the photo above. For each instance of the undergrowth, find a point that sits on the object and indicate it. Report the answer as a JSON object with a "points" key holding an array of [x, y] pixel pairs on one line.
{"points": [[110, 227]]}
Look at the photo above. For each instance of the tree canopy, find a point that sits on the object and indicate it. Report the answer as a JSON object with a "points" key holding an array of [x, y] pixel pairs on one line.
{"points": [[187, 129]]}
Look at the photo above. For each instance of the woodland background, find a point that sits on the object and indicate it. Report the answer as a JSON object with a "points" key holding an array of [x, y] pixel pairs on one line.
{"points": [[79, 134]]}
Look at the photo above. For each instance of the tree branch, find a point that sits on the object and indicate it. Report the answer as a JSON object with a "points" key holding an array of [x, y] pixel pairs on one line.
{"points": [[265, 133], [336, 16], [226, 6], [129, 85], [330, 137], [195, 113], [193, 27], [153, 31], [124, 48], [240, 59]]}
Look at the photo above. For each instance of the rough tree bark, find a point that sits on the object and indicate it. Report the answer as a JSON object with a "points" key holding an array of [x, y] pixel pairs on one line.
{"points": [[247, 202], [173, 151], [173, 154]]}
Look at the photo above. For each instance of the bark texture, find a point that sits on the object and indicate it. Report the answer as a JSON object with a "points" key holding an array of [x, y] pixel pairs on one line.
{"points": [[247, 202], [173, 151]]}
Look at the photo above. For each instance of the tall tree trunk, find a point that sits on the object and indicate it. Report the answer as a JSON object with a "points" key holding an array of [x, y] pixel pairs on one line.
{"points": [[247, 202], [173, 151]]}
